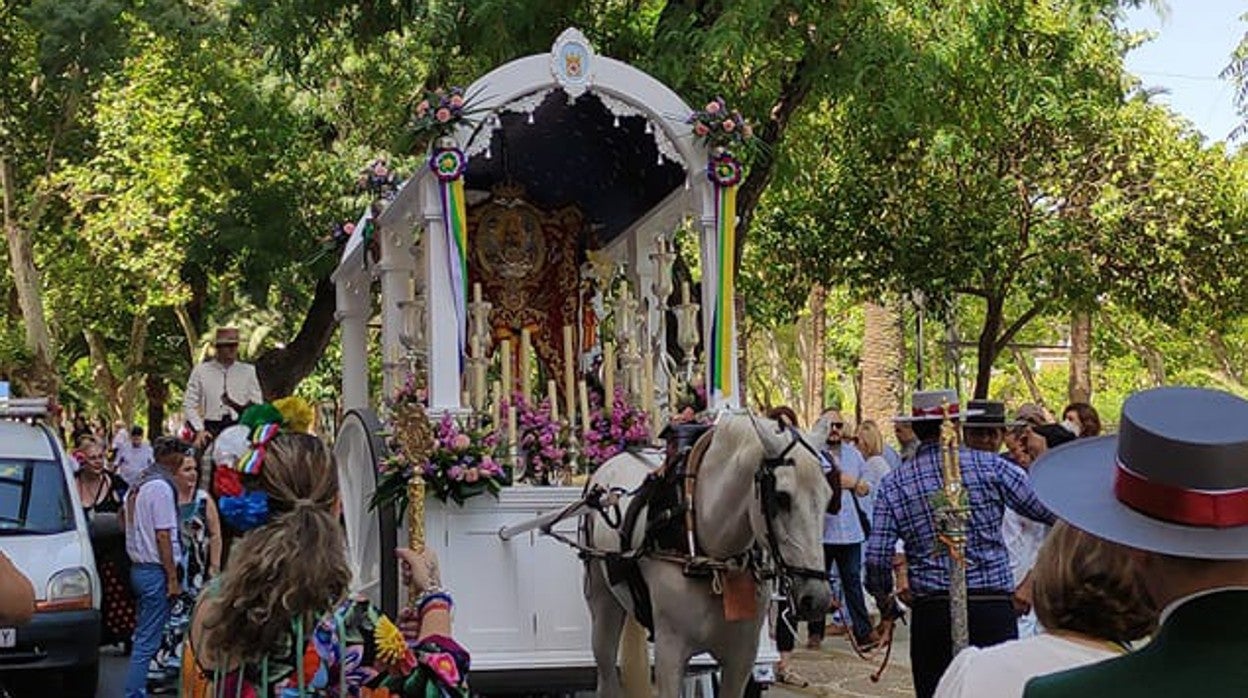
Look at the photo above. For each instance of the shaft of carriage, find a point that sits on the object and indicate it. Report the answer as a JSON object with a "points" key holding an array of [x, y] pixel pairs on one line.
{"points": [[597, 499]]}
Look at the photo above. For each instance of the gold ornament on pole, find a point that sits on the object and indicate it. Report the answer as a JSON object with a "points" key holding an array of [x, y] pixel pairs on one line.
{"points": [[414, 433]]}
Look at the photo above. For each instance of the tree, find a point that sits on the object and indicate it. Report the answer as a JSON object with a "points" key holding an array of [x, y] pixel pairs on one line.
{"points": [[977, 149]]}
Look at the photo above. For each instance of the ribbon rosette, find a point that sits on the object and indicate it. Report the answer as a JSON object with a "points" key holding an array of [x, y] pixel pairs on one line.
{"points": [[724, 170], [448, 163]]}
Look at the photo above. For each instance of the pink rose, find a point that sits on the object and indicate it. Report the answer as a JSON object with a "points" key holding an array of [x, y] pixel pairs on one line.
{"points": [[455, 473], [348, 228], [472, 475], [443, 115], [712, 107], [422, 108], [701, 129], [729, 125], [460, 442], [457, 101]]}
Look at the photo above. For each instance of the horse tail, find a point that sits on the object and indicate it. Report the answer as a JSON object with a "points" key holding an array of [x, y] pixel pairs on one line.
{"points": [[634, 665]]}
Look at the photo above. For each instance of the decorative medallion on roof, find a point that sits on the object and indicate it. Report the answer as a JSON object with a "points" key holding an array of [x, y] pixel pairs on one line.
{"points": [[572, 63]]}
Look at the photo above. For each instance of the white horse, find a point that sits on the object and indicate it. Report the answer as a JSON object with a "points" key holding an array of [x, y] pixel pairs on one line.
{"points": [[736, 511]]}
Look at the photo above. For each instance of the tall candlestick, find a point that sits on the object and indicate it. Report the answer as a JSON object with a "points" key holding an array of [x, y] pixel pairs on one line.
{"points": [[496, 405], [554, 400], [526, 379], [569, 374], [508, 386], [584, 395], [476, 292], [647, 389], [608, 378]]}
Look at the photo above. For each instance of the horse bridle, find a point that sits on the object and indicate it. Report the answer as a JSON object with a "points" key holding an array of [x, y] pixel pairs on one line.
{"points": [[765, 481]]}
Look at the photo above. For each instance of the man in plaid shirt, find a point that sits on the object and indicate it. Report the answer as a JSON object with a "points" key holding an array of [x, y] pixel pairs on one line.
{"points": [[903, 510]]}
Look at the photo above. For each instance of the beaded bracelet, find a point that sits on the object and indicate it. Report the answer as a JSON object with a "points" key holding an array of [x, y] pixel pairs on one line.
{"points": [[434, 596]]}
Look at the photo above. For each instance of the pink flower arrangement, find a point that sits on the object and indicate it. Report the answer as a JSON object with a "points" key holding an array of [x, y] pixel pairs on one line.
{"points": [[438, 112], [462, 462], [720, 127], [627, 427], [543, 441]]}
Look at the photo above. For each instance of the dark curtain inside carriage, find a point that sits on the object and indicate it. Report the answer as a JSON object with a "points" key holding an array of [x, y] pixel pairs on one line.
{"points": [[572, 180]]}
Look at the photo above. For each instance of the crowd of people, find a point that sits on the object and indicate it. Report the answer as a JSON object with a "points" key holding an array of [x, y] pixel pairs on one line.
{"points": [[273, 617], [224, 570], [1072, 557]]}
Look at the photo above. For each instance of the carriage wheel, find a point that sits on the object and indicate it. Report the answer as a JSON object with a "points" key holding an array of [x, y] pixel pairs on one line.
{"points": [[371, 534]]}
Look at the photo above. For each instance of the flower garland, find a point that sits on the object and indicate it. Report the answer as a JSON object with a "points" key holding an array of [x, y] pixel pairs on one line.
{"points": [[628, 427]]}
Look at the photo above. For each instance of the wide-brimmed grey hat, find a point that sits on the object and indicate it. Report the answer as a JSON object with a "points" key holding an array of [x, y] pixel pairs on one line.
{"points": [[927, 405], [1174, 480]]}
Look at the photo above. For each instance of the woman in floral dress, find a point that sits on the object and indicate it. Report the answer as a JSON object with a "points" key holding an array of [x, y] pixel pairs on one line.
{"points": [[279, 621]]}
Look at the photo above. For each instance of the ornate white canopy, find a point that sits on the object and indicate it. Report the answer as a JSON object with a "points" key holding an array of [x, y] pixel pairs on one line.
{"points": [[522, 86]]}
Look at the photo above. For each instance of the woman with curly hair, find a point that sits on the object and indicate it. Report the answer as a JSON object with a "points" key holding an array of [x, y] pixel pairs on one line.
{"points": [[1092, 603], [280, 622]]}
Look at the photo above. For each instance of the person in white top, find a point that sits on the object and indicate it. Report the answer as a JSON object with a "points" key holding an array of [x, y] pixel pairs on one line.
{"points": [[133, 456], [220, 389], [1092, 602]]}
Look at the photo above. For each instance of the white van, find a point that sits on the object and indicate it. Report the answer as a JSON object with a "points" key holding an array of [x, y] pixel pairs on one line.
{"points": [[43, 530]]}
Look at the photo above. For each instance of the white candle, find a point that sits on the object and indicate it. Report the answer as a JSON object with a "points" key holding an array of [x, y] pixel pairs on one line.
{"points": [[608, 378], [569, 374], [511, 427], [584, 395], [526, 380], [647, 387], [496, 404], [554, 400], [476, 292], [684, 293], [508, 386]]}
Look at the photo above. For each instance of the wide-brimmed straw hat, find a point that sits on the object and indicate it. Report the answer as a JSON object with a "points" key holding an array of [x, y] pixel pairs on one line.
{"points": [[1174, 480], [927, 405], [226, 335], [991, 414]]}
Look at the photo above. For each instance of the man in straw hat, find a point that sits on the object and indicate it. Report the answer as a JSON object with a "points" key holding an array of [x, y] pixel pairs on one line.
{"points": [[904, 510], [1173, 485], [220, 389]]}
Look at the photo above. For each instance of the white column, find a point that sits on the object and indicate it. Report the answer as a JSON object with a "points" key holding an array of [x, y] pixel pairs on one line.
{"points": [[396, 268], [444, 358], [352, 315]]}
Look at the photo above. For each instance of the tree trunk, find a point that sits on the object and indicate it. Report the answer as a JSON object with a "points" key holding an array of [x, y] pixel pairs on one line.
{"points": [[281, 370], [101, 372], [881, 362], [157, 390], [1223, 355], [1079, 386], [816, 368], [987, 354], [26, 282]]}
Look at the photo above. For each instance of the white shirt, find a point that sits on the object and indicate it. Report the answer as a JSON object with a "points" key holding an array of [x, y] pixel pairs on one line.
{"points": [[1002, 671], [1023, 538], [208, 381], [153, 509], [132, 460]]}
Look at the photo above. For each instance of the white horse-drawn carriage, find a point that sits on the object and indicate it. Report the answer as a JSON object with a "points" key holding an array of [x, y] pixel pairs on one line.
{"points": [[577, 165]]}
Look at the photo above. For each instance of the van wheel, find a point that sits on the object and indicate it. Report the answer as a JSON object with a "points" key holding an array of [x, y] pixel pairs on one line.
{"points": [[82, 681]]}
